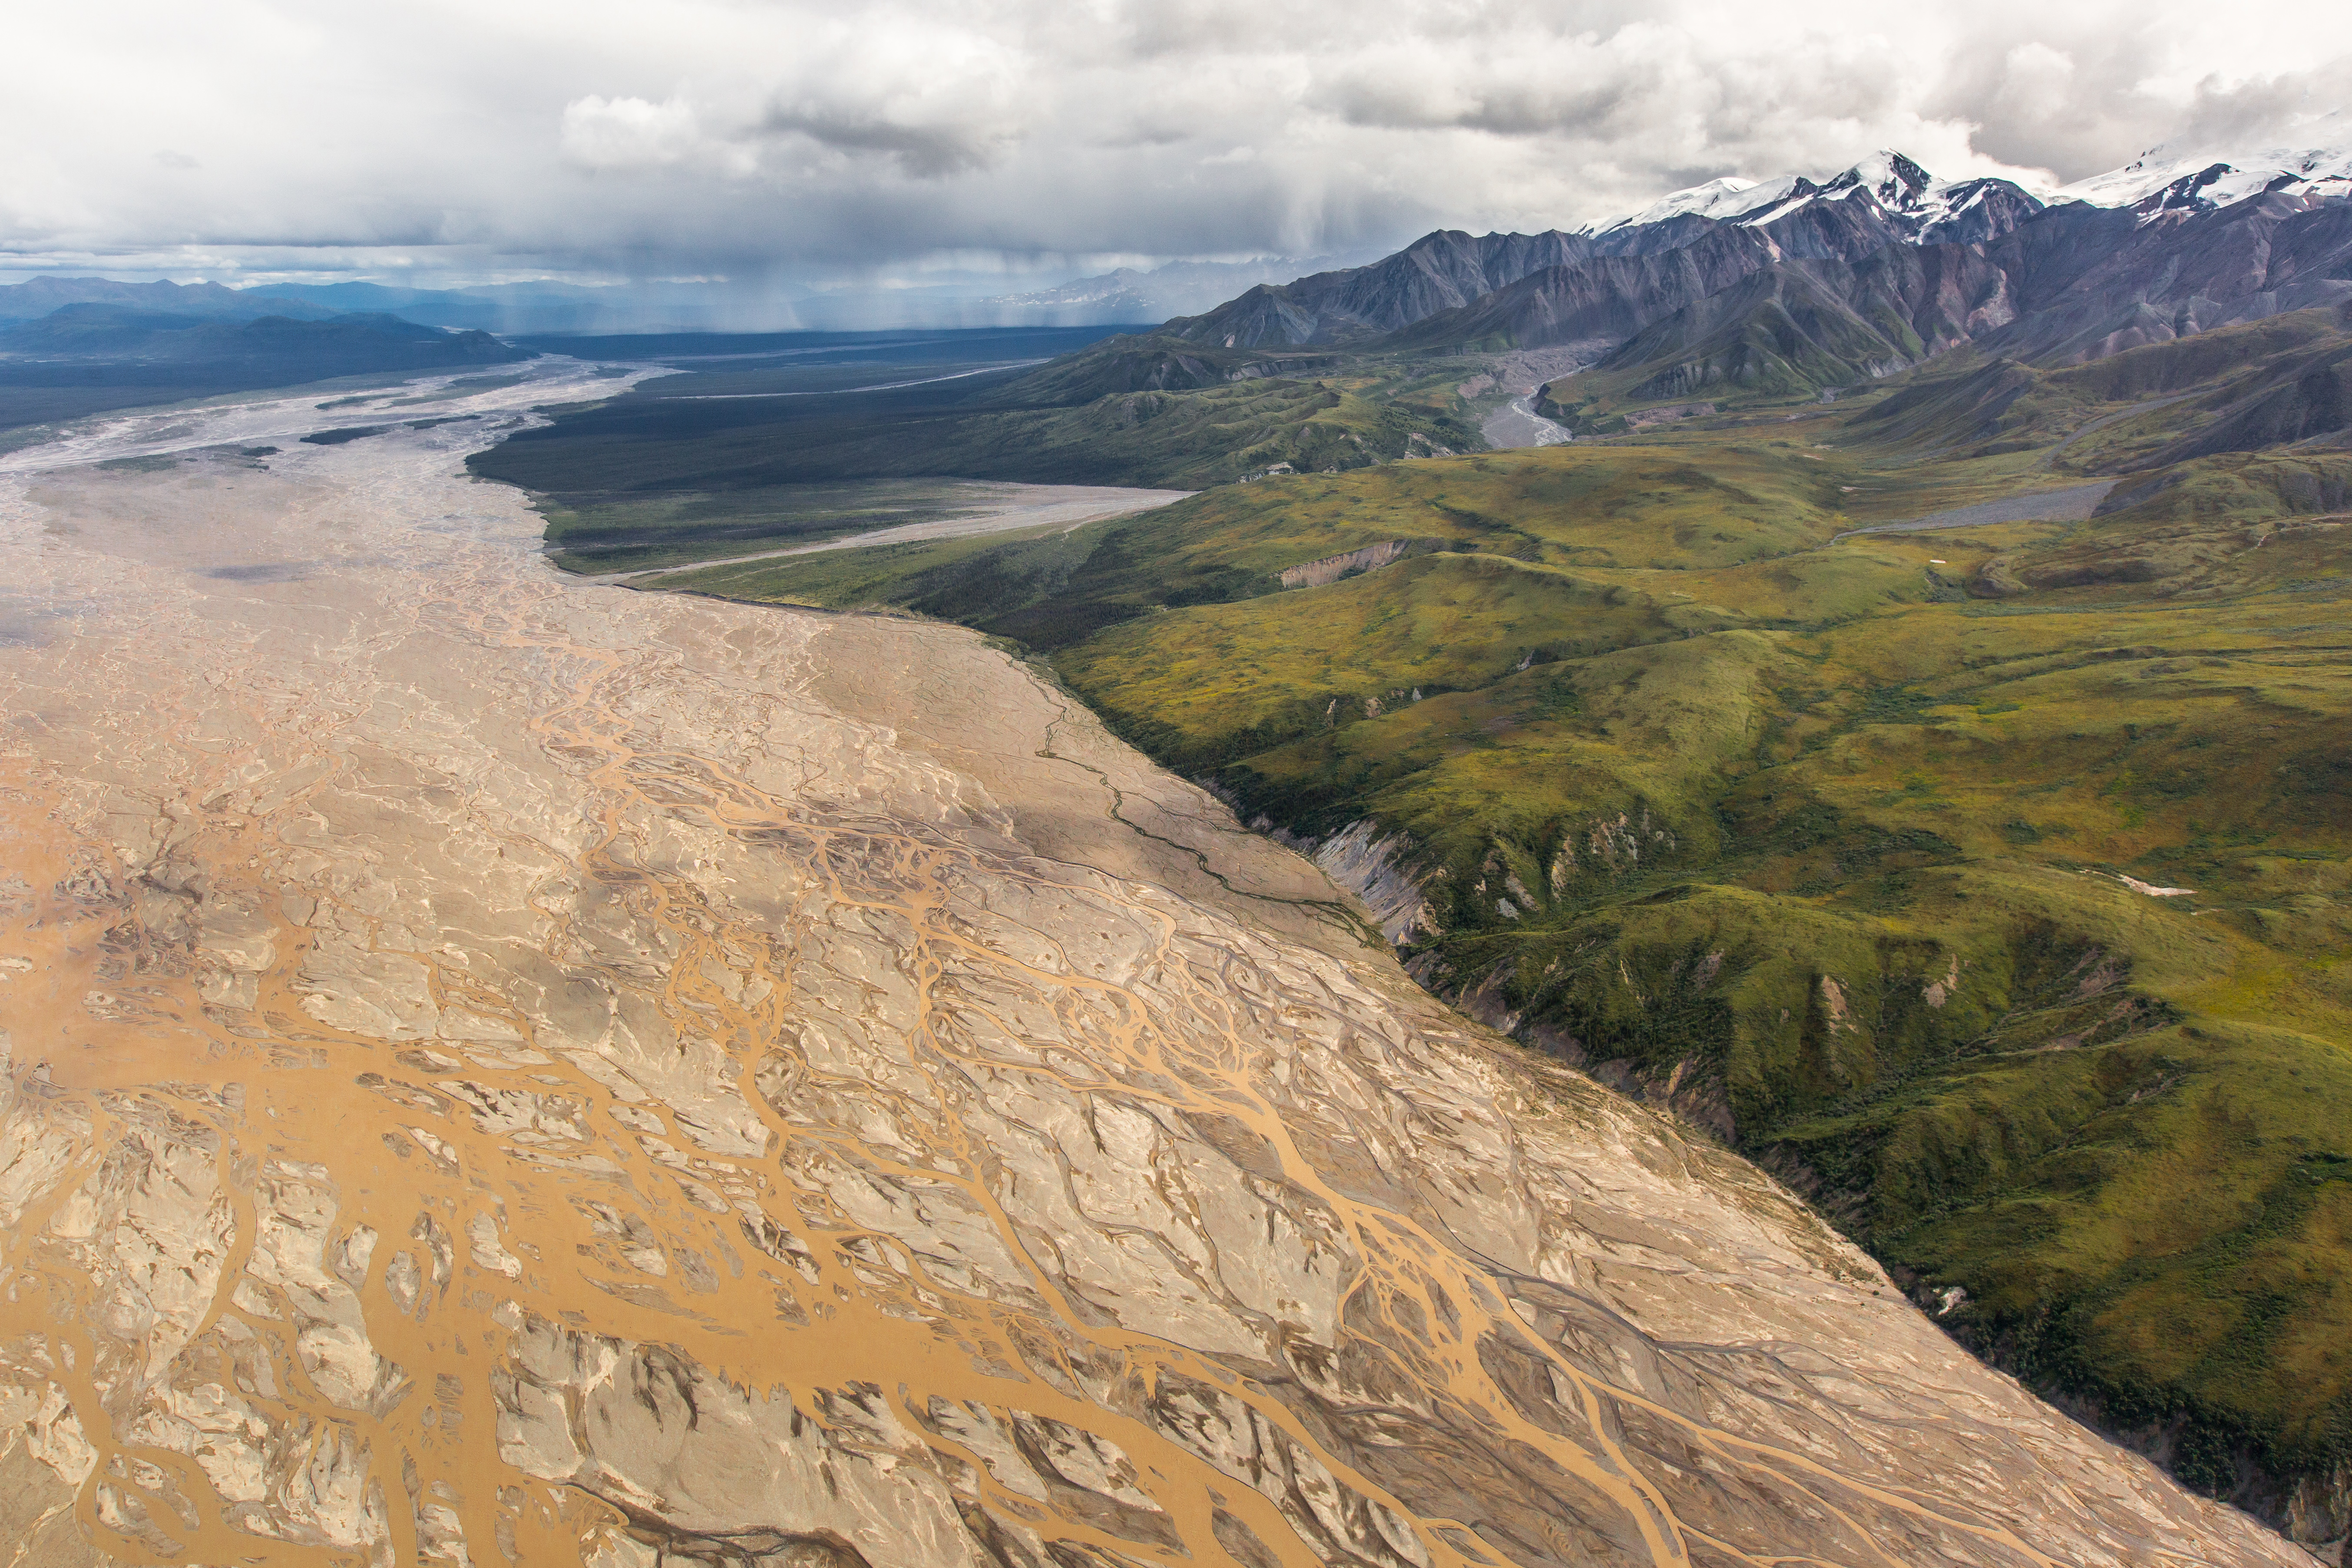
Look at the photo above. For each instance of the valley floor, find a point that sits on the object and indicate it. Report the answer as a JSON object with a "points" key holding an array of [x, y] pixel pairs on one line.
{"points": [[501, 1066]]}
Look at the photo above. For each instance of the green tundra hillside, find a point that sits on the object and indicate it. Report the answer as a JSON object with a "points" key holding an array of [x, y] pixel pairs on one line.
{"points": [[1988, 879]]}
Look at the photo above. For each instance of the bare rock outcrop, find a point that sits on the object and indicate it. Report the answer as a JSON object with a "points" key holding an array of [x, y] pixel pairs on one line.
{"points": [[1331, 568]]}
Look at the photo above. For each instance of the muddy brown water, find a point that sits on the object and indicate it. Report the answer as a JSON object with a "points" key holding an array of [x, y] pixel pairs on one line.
{"points": [[501, 1069]]}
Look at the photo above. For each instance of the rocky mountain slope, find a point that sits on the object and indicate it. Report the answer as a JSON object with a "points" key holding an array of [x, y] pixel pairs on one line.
{"points": [[1801, 286], [1887, 201], [2075, 284]]}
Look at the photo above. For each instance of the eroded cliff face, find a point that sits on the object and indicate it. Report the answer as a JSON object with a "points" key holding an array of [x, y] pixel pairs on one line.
{"points": [[506, 1071]]}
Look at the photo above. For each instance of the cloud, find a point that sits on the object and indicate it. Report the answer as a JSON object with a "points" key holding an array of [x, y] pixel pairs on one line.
{"points": [[2077, 93], [793, 139], [937, 98], [628, 135]]}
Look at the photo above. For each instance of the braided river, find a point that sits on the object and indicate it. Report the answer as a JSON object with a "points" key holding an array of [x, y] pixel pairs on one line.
{"points": [[506, 1069]]}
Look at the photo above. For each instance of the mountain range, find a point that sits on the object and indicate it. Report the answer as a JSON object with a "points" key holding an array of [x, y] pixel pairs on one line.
{"points": [[1126, 294], [85, 358], [541, 306], [1802, 286]]}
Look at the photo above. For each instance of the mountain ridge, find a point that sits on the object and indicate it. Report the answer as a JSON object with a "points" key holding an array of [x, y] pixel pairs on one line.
{"points": [[1885, 201], [85, 358], [1451, 289]]}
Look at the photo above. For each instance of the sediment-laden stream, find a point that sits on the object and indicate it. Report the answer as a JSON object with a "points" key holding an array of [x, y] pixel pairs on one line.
{"points": [[506, 1069]]}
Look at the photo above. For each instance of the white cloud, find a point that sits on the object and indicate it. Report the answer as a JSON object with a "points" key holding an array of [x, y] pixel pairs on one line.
{"points": [[816, 138], [628, 134]]}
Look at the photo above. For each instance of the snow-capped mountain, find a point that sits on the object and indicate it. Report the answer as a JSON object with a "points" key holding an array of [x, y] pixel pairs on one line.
{"points": [[1702, 237], [1917, 205], [1725, 199], [1806, 282], [2168, 180]]}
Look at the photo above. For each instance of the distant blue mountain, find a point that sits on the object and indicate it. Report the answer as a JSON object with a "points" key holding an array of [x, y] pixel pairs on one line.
{"points": [[502, 307], [84, 357], [26, 302]]}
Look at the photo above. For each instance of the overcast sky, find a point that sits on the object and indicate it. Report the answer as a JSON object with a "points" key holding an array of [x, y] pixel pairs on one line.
{"points": [[895, 142]]}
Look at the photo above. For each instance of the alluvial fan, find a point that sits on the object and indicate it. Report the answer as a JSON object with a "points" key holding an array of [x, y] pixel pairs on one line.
{"points": [[505, 1070]]}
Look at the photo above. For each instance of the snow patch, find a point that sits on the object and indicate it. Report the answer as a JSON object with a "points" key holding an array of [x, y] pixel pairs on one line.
{"points": [[1725, 197], [2168, 178], [1896, 182]]}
